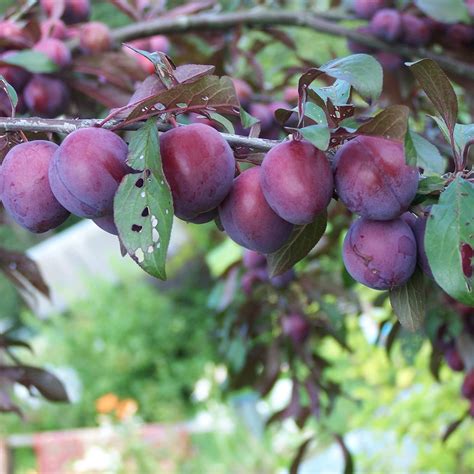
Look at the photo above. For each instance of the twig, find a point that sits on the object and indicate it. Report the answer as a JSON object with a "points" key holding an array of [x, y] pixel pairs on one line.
{"points": [[304, 19], [65, 126]]}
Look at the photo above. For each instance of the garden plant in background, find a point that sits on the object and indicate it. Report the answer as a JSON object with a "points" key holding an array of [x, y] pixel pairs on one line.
{"points": [[341, 176]]}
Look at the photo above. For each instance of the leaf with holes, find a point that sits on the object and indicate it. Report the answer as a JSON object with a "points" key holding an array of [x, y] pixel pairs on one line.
{"points": [[301, 242], [449, 240], [338, 93], [391, 123], [143, 206], [211, 93], [362, 71]]}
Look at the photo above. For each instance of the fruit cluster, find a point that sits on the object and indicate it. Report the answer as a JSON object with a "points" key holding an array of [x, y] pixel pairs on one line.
{"points": [[46, 95], [256, 271], [258, 209], [410, 27], [447, 344]]}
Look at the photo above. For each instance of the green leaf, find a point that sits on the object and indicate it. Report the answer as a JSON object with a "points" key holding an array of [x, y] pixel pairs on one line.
{"points": [[391, 123], [449, 230], [318, 135], [363, 72], [143, 206], [338, 93], [431, 184], [438, 88], [10, 91], [408, 302], [446, 11], [223, 256], [246, 119], [301, 242], [316, 113], [224, 121], [32, 61], [410, 344], [420, 152], [462, 133]]}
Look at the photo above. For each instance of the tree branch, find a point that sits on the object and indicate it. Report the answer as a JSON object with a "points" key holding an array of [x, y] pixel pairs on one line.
{"points": [[261, 18], [65, 126]]}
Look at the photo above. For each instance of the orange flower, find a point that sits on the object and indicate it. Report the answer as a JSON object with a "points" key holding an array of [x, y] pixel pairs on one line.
{"points": [[107, 403], [126, 408]]}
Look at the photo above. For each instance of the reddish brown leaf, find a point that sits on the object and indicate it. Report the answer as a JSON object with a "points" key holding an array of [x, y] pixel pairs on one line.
{"points": [[21, 269], [295, 464], [46, 383], [391, 123], [452, 427], [208, 93], [106, 94]]}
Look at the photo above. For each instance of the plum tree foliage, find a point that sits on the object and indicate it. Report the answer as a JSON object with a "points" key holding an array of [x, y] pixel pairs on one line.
{"points": [[360, 183]]}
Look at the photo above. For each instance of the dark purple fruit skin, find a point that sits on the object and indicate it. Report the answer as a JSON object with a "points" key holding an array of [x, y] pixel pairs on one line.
{"points": [[243, 90], [46, 96], [248, 219], [16, 76], [389, 61], [52, 28], [297, 181], [199, 166], [368, 8], [458, 36], [296, 327], [453, 359], [107, 223], [159, 43], [357, 48], [467, 389], [283, 280], [470, 7], [24, 184], [387, 25], [86, 171], [75, 11], [56, 50], [380, 254], [372, 178], [253, 260], [418, 226], [204, 217], [415, 31], [94, 37], [252, 278]]}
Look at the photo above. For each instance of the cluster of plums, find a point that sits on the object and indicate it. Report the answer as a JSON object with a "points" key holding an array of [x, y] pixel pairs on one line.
{"points": [[41, 183], [46, 95], [294, 325], [413, 29], [446, 343], [256, 272]]}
